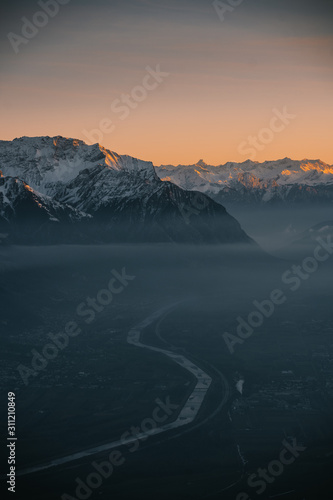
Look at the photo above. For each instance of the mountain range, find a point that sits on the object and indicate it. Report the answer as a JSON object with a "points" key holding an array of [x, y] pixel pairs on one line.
{"points": [[281, 182], [56, 189]]}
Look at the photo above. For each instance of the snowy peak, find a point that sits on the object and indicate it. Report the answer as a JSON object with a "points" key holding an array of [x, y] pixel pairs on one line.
{"points": [[271, 180], [41, 161], [262, 171], [201, 164]]}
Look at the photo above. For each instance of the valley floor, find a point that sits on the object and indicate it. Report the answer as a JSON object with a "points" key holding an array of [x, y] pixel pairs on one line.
{"points": [[99, 388]]}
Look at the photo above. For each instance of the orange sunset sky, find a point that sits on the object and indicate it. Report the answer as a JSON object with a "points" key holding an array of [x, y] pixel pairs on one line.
{"points": [[225, 77]]}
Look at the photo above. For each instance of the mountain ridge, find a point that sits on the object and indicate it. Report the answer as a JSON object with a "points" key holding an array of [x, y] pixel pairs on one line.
{"points": [[257, 183], [118, 198]]}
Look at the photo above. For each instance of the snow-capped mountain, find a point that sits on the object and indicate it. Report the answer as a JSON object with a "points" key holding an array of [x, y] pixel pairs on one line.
{"points": [[109, 197], [45, 161], [286, 181]]}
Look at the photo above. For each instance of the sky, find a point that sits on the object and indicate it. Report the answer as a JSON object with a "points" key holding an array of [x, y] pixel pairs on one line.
{"points": [[172, 81]]}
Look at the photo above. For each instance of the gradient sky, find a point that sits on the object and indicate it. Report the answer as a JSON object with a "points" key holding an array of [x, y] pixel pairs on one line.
{"points": [[224, 79]]}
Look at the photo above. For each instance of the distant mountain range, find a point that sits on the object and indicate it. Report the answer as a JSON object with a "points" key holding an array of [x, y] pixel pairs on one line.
{"points": [[55, 189], [308, 239], [281, 182]]}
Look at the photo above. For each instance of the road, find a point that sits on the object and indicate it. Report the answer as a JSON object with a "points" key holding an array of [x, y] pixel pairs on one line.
{"points": [[187, 414]]}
